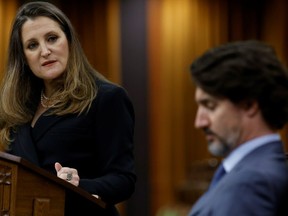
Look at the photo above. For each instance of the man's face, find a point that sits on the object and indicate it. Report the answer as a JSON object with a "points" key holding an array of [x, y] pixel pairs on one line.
{"points": [[221, 121]]}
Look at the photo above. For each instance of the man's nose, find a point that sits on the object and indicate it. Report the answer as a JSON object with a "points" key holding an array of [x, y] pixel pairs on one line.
{"points": [[201, 119]]}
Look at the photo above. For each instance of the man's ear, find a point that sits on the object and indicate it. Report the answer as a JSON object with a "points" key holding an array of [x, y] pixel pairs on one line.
{"points": [[251, 107]]}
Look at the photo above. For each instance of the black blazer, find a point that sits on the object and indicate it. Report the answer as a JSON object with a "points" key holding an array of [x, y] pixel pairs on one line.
{"points": [[99, 144]]}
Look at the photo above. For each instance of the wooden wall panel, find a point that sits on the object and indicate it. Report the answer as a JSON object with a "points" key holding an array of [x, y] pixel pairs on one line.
{"points": [[178, 32], [7, 12], [89, 20]]}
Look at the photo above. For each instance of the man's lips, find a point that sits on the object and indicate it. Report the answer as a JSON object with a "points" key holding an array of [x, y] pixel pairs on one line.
{"points": [[48, 62], [209, 137], [209, 134]]}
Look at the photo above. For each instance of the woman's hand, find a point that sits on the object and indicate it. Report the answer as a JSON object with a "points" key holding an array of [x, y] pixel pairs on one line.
{"points": [[68, 174]]}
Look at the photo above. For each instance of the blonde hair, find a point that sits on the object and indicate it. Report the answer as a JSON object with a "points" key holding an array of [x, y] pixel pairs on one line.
{"points": [[20, 88]]}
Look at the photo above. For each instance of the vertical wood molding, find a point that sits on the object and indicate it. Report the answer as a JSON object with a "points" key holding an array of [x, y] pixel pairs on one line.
{"points": [[7, 12], [113, 41], [5, 189]]}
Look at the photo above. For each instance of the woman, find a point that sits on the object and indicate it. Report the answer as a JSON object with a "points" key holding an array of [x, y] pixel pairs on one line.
{"points": [[59, 113]]}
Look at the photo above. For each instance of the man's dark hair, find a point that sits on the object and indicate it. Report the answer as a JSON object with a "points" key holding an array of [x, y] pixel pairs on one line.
{"points": [[246, 71]]}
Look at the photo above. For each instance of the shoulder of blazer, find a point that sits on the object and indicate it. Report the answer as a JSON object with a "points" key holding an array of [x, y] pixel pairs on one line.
{"points": [[112, 94], [110, 90], [104, 86], [265, 155]]}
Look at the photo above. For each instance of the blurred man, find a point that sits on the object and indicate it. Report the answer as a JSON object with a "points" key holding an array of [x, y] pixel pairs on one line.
{"points": [[242, 97]]}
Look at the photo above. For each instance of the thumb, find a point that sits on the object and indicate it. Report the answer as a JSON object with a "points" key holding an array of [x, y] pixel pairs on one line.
{"points": [[58, 166]]}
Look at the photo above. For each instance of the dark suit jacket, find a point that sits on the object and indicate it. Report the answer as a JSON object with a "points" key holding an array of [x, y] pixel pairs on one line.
{"points": [[99, 144], [257, 186]]}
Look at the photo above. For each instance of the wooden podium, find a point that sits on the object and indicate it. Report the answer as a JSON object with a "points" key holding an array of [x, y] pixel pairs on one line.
{"points": [[27, 190]]}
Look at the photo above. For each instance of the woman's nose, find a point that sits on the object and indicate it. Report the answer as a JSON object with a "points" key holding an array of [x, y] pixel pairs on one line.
{"points": [[45, 51]]}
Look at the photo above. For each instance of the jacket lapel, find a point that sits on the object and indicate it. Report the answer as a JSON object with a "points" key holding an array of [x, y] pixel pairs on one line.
{"points": [[44, 123]]}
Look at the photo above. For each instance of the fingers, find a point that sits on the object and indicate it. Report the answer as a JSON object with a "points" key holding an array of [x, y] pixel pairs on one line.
{"points": [[67, 173], [95, 195]]}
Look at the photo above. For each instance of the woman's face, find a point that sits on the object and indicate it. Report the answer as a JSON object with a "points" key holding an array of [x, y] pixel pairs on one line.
{"points": [[45, 47]]}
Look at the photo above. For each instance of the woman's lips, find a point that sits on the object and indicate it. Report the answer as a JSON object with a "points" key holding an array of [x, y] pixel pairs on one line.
{"points": [[46, 63]]}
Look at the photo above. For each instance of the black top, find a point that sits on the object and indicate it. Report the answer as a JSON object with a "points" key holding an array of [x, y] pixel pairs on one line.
{"points": [[99, 144]]}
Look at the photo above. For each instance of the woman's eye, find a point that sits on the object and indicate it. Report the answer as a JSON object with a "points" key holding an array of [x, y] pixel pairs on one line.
{"points": [[32, 46], [52, 38]]}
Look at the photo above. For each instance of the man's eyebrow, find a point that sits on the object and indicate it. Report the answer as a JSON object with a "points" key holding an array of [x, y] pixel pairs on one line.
{"points": [[202, 102]]}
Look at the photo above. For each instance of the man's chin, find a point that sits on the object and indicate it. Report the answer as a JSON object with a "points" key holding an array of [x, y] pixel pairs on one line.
{"points": [[217, 150]]}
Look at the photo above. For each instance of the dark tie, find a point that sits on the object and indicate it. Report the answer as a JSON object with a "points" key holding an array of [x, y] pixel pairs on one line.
{"points": [[220, 172]]}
